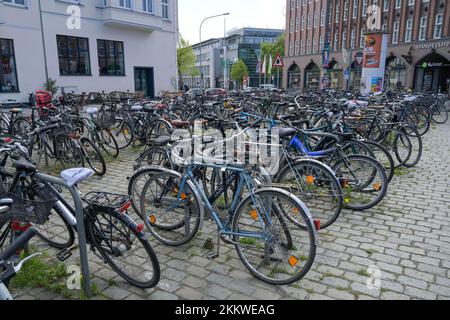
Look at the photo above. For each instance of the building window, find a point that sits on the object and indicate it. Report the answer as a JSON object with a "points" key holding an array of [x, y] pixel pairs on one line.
{"points": [[423, 28], [8, 73], [344, 39], [111, 58], [165, 9], [438, 26], [322, 17], [364, 8], [384, 27], [292, 4], [291, 48], [292, 25], [314, 46], [296, 48], [355, 9], [316, 19], [335, 44], [408, 33], [321, 47], [395, 32], [362, 38], [308, 48], [302, 47], [353, 38], [398, 4], [337, 13], [147, 6], [297, 24], [125, 4], [16, 2], [303, 23], [345, 10], [73, 55], [411, 2], [309, 21]]}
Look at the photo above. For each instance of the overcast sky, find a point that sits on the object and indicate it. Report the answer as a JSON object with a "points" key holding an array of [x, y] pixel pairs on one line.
{"points": [[243, 13]]}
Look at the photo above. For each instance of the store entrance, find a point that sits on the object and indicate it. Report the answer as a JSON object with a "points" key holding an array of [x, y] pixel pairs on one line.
{"points": [[432, 74]]}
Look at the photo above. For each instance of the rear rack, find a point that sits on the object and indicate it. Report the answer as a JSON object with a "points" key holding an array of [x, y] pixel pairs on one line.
{"points": [[108, 201]]}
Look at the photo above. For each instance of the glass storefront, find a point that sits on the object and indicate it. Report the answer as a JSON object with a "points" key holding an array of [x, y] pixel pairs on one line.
{"points": [[432, 73], [336, 76]]}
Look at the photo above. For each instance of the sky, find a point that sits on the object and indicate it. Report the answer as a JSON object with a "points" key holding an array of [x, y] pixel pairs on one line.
{"points": [[243, 13]]}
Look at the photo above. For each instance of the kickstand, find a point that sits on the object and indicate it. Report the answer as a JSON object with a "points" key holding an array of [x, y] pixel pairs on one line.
{"points": [[215, 255]]}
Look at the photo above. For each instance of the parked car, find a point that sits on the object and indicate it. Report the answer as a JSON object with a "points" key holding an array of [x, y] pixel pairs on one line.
{"points": [[269, 87], [195, 92], [215, 92]]}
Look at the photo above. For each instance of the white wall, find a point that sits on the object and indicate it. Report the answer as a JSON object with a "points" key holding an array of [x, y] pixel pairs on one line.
{"points": [[143, 48]]}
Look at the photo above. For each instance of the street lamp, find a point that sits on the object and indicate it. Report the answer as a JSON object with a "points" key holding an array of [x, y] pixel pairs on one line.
{"points": [[200, 49]]}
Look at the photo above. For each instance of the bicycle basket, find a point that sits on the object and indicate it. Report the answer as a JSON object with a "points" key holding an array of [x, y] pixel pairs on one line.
{"points": [[106, 119], [29, 211], [106, 201]]}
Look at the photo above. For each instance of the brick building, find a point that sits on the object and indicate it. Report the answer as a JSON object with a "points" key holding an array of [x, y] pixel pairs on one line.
{"points": [[418, 45]]}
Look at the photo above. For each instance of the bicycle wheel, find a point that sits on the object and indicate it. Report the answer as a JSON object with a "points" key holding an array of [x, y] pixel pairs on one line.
{"points": [[124, 248], [383, 156], [93, 156], [157, 128], [363, 180], [5, 234], [21, 127], [416, 146], [155, 156], [315, 185], [398, 144], [123, 133], [439, 113], [171, 212], [262, 226], [107, 143], [56, 232]]}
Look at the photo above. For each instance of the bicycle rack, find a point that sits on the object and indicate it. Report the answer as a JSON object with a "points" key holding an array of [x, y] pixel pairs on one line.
{"points": [[80, 228]]}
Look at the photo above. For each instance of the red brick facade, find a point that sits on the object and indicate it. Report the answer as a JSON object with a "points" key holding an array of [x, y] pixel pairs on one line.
{"points": [[348, 21]]}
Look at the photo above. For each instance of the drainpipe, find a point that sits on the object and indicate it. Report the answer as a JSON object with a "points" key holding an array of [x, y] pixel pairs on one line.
{"points": [[43, 41]]}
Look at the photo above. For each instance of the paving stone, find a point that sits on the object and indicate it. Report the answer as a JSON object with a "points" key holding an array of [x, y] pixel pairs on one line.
{"points": [[419, 293], [340, 294]]}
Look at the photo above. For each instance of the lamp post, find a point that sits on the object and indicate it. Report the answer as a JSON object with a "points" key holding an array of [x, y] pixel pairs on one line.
{"points": [[200, 48]]}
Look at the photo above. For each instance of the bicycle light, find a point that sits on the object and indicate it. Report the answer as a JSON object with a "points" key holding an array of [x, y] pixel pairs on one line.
{"points": [[125, 207], [317, 224]]}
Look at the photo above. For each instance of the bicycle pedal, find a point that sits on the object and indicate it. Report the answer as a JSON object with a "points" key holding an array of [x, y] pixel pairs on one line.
{"points": [[64, 255], [212, 255]]}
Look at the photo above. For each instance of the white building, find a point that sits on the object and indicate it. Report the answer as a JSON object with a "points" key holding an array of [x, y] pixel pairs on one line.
{"points": [[115, 45]]}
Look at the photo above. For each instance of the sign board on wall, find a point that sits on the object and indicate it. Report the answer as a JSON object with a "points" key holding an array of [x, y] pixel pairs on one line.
{"points": [[374, 62]]}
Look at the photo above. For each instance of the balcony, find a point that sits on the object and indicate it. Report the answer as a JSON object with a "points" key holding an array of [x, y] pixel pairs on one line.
{"points": [[131, 18]]}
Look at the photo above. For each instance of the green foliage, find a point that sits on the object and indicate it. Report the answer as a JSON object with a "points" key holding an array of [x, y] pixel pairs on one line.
{"points": [[186, 58], [273, 49], [239, 71], [50, 85]]}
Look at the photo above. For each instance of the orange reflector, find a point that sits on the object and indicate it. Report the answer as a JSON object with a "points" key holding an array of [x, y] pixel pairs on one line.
{"points": [[152, 219], [254, 214], [310, 179], [296, 211], [377, 186], [293, 261], [183, 196], [125, 131]]}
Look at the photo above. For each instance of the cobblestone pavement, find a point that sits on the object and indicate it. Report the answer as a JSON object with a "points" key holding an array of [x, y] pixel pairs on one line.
{"points": [[407, 237]]}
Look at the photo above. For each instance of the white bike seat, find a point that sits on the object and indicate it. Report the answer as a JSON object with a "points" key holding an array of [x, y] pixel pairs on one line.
{"points": [[76, 175], [137, 108], [91, 111]]}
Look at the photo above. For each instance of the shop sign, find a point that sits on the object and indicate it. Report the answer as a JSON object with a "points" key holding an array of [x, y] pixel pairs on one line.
{"points": [[326, 57], [432, 45], [431, 64]]}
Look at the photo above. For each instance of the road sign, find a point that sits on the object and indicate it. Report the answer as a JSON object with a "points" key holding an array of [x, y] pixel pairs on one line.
{"points": [[278, 62], [347, 74]]}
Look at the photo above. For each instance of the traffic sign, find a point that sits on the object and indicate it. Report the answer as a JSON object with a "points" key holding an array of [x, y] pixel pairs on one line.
{"points": [[278, 62]]}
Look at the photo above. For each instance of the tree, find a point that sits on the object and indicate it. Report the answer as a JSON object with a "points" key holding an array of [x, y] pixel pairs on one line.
{"points": [[186, 61], [273, 49], [239, 71]]}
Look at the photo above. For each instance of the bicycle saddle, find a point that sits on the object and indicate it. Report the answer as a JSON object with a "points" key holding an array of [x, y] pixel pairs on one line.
{"points": [[286, 132], [24, 165], [161, 141], [76, 175], [137, 108], [180, 123], [16, 110], [91, 111]]}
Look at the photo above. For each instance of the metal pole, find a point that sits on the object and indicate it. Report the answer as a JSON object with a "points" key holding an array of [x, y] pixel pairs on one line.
{"points": [[80, 228], [200, 37]]}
